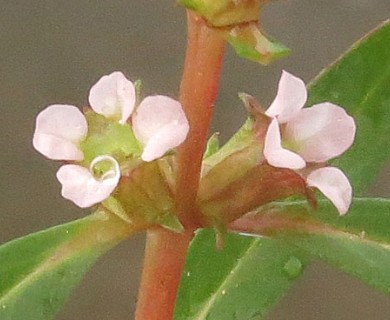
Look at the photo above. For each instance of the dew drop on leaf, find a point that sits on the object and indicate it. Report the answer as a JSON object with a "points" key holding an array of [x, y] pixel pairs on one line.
{"points": [[293, 267]]}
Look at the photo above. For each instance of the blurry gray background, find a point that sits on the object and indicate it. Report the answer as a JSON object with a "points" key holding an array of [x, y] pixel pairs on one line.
{"points": [[52, 51]]}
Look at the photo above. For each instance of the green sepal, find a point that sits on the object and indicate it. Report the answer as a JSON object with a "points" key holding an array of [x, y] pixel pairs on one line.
{"points": [[146, 197], [212, 145], [116, 208], [138, 86], [249, 43], [243, 138], [108, 137], [170, 222]]}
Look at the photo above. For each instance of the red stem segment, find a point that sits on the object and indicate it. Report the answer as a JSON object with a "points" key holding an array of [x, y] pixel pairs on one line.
{"points": [[164, 259], [198, 92], [165, 251]]}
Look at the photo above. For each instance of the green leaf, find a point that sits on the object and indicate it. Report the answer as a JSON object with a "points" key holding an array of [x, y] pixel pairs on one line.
{"points": [[358, 243], [241, 281], [360, 83], [248, 277], [38, 271]]}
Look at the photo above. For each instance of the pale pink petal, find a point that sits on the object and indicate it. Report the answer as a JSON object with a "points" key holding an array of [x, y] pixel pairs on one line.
{"points": [[82, 188], [333, 183], [290, 99], [275, 154], [113, 96], [58, 132], [160, 125], [321, 132], [164, 140]]}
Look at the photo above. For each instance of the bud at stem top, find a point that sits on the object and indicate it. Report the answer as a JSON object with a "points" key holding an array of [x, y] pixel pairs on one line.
{"points": [[221, 13]]}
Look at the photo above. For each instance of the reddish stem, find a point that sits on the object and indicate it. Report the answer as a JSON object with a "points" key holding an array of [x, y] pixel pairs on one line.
{"points": [[198, 92], [165, 251], [164, 259]]}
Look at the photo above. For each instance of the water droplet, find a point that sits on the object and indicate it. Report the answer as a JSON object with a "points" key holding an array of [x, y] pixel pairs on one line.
{"points": [[257, 315], [293, 267], [223, 292]]}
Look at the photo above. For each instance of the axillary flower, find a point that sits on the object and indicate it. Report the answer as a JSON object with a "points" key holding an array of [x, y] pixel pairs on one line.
{"points": [[304, 139], [158, 123]]}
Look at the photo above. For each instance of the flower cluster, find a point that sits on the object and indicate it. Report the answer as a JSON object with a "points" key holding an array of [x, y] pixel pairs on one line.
{"points": [[158, 123], [295, 138], [304, 139]]}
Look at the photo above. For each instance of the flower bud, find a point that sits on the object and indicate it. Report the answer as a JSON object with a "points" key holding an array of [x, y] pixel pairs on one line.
{"points": [[238, 20], [222, 13]]}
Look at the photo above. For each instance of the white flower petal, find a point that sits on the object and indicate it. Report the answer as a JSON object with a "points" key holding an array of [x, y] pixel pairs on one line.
{"points": [[113, 96], [321, 132], [333, 183], [58, 131], [290, 99], [275, 154], [81, 187], [165, 139], [159, 124]]}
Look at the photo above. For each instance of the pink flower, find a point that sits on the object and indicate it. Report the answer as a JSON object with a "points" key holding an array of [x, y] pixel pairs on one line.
{"points": [[159, 124], [113, 96], [297, 136], [58, 132], [84, 187]]}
